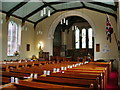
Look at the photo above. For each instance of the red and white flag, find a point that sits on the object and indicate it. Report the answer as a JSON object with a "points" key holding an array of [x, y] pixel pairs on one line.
{"points": [[109, 29]]}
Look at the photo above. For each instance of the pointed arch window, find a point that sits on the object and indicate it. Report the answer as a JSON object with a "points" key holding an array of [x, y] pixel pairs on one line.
{"points": [[83, 38], [90, 34], [14, 35], [77, 38]]}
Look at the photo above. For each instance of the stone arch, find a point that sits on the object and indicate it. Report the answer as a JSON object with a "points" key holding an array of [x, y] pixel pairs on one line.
{"points": [[58, 19], [67, 14]]}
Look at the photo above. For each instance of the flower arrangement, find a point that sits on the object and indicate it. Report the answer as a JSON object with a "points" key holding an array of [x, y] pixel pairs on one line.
{"points": [[16, 53]]}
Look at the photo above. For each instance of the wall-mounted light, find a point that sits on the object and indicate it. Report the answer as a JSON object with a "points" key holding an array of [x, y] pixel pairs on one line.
{"points": [[40, 45]]}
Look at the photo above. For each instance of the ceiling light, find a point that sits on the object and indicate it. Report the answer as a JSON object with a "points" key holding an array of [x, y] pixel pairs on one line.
{"points": [[48, 12], [61, 22], [41, 12], [64, 20], [44, 10]]}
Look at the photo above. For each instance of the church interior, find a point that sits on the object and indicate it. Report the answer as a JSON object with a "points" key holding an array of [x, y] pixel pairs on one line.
{"points": [[59, 44]]}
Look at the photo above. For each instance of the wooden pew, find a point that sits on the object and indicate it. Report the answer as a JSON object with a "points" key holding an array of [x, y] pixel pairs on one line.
{"points": [[4, 80], [103, 64], [50, 67], [41, 85], [90, 71], [68, 81], [83, 69], [11, 74], [75, 75], [7, 67], [87, 76], [24, 64], [40, 69]]}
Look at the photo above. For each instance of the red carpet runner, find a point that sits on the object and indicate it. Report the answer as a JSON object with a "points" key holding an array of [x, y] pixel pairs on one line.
{"points": [[113, 81]]}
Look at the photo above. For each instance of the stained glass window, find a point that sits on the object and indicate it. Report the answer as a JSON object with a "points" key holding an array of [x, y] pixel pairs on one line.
{"points": [[13, 38], [77, 38]]}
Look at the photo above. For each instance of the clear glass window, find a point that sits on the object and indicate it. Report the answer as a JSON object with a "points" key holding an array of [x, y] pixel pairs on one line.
{"points": [[83, 38], [90, 38]]}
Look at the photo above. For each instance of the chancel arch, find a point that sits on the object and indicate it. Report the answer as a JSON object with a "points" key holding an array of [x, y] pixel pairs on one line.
{"points": [[68, 14]]}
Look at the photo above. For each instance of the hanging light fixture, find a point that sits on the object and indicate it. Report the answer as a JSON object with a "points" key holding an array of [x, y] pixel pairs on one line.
{"points": [[61, 22], [44, 11], [75, 27], [66, 22], [72, 27], [48, 12]]}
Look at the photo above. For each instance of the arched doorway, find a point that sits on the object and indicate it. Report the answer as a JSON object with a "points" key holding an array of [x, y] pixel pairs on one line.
{"points": [[75, 39]]}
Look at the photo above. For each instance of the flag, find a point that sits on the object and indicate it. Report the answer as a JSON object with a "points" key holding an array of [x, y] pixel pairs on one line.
{"points": [[109, 29]]}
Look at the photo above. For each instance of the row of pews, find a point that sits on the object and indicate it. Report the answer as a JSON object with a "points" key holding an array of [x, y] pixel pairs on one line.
{"points": [[51, 75]]}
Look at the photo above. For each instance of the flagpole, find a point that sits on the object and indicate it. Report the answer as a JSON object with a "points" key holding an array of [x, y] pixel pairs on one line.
{"points": [[110, 29], [116, 39], [109, 19], [114, 32]]}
